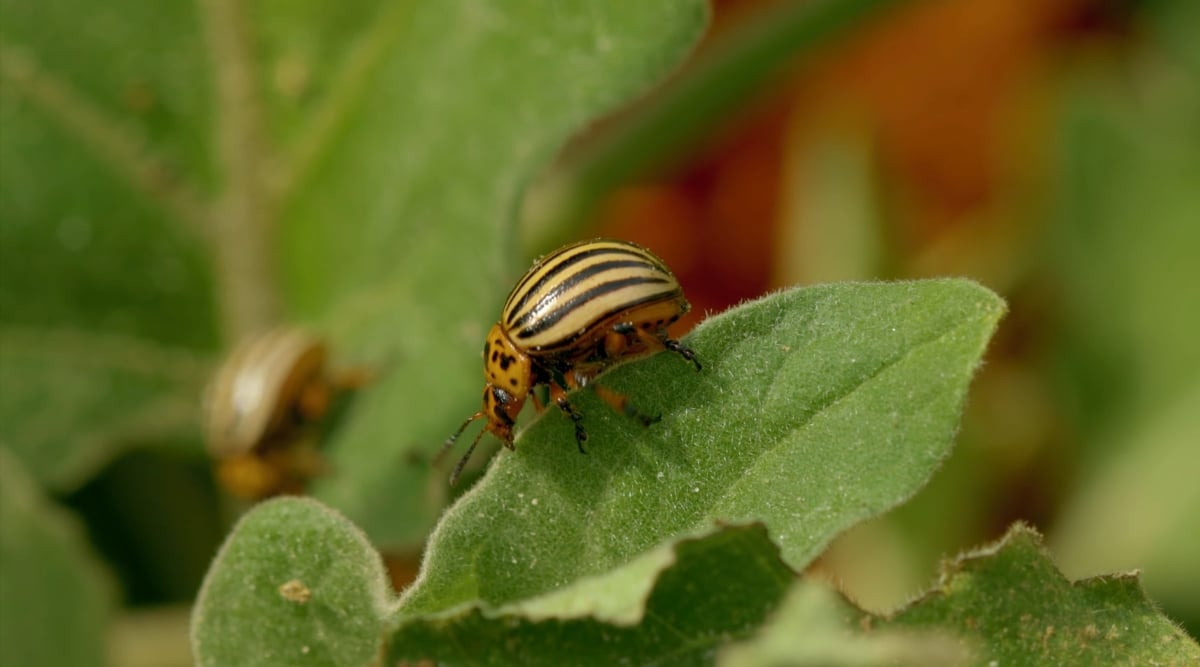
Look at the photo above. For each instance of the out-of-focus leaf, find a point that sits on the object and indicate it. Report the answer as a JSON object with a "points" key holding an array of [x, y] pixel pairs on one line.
{"points": [[741, 60], [294, 584], [104, 292], [816, 408], [1146, 488], [1126, 247], [830, 229], [54, 597], [71, 401], [1012, 603], [355, 168], [815, 626]]}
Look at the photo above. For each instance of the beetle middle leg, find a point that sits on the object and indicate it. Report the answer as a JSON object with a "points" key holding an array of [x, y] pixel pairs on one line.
{"points": [[621, 403]]}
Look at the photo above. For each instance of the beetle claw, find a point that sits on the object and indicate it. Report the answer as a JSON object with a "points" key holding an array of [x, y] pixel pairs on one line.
{"points": [[683, 351]]}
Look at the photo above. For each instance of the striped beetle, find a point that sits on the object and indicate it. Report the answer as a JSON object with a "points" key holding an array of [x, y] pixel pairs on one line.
{"points": [[577, 312], [260, 405]]}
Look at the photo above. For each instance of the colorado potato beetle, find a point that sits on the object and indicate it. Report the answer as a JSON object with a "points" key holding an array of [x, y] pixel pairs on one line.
{"points": [[577, 312], [260, 407]]}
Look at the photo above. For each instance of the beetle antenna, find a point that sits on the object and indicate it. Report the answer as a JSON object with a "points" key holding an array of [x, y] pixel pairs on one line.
{"points": [[466, 457], [437, 458]]}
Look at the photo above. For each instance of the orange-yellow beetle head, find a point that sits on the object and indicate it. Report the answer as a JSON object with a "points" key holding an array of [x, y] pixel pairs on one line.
{"points": [[508, 375]]}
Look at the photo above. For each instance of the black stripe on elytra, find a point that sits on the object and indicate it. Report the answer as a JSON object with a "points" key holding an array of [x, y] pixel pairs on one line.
{"points": [[558, 269], [579, 333], [574, 280], [563, 309]]}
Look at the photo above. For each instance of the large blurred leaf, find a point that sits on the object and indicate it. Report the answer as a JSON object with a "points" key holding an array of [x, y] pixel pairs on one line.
{"points": [[73, 400], [354, 166], [104, 292], [816, 408], [1126, 243], [54, 598], [814, 626]]}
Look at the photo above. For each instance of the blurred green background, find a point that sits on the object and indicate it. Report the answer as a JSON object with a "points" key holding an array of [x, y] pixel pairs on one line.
{"points": [[1048, 148]]}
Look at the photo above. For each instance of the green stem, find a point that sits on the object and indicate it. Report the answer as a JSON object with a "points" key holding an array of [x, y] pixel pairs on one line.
{"points": [[243, 216]]}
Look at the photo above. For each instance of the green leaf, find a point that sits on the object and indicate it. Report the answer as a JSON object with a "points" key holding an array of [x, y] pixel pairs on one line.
{"points": [[72, 400], [354, 168], [294, 583], [1018, 609], [673, 605], [81, 333], [816, 408], [815, 626], [55, 599], [1129, 321], [105, 290], [398, 234], [1147, 487], [737, 64]]}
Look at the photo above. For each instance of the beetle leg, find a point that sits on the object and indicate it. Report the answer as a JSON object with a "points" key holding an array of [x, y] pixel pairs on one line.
{"points": [[355, 377], [249, 477], [314, 400], [581, 435], [685, 352], [620, 402], [659, 342], [537, 401], [616, 341], [559, 395]]}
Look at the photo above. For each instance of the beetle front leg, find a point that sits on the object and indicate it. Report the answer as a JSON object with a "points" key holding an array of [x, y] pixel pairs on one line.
{"points": [[559, 395], [577, 418]]}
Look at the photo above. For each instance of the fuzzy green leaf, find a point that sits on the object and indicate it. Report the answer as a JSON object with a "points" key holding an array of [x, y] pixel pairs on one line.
{"points": [[54, 598], [1016, 608], [673, 605], [816, 408], [295, 583]]}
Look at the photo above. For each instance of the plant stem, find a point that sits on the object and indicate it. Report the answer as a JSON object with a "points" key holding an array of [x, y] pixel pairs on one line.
{"points": [[243, 215]]}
